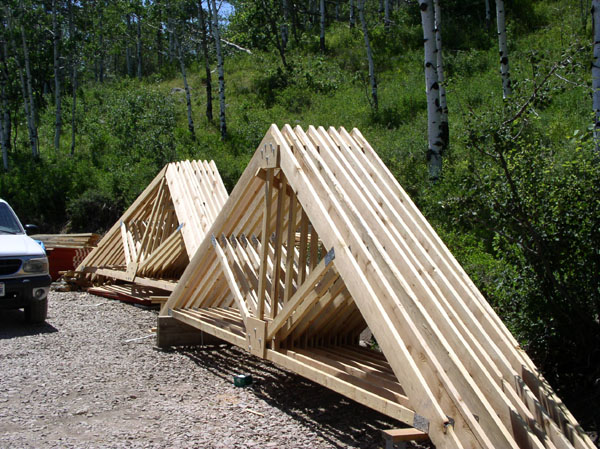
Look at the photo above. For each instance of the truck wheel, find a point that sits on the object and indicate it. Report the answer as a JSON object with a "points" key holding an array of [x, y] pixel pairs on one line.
{"points": [[37, 311]]}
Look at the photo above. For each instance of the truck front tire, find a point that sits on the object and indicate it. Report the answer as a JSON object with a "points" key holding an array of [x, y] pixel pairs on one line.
{"points": [[37, 311]]}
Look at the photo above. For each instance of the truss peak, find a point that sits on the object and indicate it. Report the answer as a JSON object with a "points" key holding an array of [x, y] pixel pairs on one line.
{"points": [[316, 242]]}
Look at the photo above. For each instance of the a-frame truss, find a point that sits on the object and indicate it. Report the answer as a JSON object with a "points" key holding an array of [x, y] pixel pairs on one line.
{"points": [[152, 243], [318, 241]]}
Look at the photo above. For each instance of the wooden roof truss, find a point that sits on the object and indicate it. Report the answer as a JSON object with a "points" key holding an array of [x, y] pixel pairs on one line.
{"points": [[318, 241]]}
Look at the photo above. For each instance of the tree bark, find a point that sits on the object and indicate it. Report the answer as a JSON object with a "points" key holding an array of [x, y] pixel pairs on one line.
{"points": [[57, 97], [33, 136], [139, 46], [434, 152], [322, 16], [202, 21], [220, 69], [488, 14], [5, 119], [372, 78], [444, 128], [73, 64], [504, 69], [386, 17], [596, 72], [188, 96], [352, 20], [128, 48], [285, 24]]}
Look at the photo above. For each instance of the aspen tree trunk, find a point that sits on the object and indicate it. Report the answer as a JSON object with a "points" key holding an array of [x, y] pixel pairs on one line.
{"points": [[171, 41], [57, 99], [5, 123], [139, 46], [386, 16], [352, 20], [220, 69], [504, 69], [434, 152], [202, 21], [381, 7], [101, 49], [322, 23], [596, 72], [73, 78], [372, 78], [33, 136], [284, 25], [337, 10], [188, 97], [128, 48], [488, 14], [444, 128]]}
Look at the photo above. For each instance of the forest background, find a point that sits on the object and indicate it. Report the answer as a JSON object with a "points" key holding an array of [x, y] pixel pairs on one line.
{"points": [[96, 96]]}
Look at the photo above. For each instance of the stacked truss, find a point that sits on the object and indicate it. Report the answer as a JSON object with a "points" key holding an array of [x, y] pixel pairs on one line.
{"points": [[152, 243], [318, 241]]}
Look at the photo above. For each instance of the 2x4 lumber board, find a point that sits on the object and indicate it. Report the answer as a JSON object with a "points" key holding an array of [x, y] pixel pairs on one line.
{"points": [[349, 366], [217, 331], [442, 334], [355, 267], [165, 255], [264, 254], [243, 282], [217, 183], [275, 290], [300, 322], [183, 209], [301, 294], [125, 243], [156, 205], [231, 208], [341, 386], [314, 247], [352, 375], [302, 262], [230, 277], [122, 275], [289, 263]]}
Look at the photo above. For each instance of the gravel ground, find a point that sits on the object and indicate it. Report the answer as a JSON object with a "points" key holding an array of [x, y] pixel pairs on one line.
{"points": [[91, 377]]}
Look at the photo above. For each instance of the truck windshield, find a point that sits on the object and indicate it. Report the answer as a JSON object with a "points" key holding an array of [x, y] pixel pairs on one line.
{"points": [[9, 224]]}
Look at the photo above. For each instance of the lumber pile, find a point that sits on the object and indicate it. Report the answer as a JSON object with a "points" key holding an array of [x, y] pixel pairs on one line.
{"points": [[147, 250], [86, 240], [318, 241]]}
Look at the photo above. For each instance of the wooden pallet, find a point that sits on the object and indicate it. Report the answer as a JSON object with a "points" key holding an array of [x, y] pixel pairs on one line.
{"points": [[317, 241], [152, 243]]}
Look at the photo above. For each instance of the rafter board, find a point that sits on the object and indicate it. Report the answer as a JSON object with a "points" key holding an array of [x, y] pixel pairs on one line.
{"points": [[467, 383]]}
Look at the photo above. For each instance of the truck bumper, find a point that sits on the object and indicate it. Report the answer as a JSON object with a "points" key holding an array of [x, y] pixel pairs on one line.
{"points": [[20, 292]]}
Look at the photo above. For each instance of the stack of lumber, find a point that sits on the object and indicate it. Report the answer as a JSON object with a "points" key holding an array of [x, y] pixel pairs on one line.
{"points": [[318, 241], [66, 251], [152, 243], [88, 240]]}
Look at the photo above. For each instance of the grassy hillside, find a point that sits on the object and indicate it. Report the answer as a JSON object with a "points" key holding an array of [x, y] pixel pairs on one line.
{"points": [[518, 202]]}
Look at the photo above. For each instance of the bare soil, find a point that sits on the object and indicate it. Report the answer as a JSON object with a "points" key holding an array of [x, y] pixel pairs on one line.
{"points": [[91, 377]]}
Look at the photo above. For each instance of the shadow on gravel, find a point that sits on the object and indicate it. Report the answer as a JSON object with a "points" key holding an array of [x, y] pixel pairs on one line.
{"points": [[338, 420], [13, 325]]}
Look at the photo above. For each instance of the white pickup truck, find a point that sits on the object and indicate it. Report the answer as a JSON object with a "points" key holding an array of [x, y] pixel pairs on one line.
{"points": [[24, 278]]}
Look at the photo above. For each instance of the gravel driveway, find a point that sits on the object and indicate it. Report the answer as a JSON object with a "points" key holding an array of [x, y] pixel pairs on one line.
{"points": [[89, 378]]}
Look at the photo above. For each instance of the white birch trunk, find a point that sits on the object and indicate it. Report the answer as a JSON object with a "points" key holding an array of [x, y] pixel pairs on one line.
{"points": [[202, 21], [57, 98], [596, 71], [220, 69], [73, 78], [322, 22], [127, 48], [372, 78], [504, 69], [434, 152], [444, 129], [139, 46], [33, 136], [386, 16], [188, 96]]}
